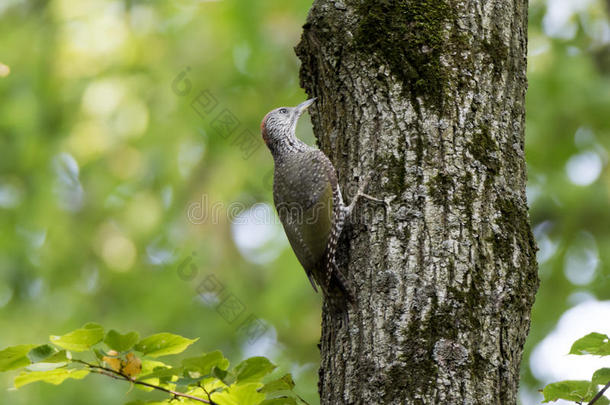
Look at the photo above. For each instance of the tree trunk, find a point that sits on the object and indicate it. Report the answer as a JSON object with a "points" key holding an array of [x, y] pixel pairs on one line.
{"points": [[429, 97]]}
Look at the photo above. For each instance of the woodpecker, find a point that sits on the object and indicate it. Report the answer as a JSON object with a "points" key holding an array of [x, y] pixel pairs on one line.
{"points": [[308, 200]]}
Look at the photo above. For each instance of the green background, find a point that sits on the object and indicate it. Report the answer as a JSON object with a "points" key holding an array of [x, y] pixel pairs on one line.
{"points": [[107, 170]]}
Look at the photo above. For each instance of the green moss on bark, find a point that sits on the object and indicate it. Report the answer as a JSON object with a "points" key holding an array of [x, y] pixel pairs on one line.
{"points": [[418, 352], [513, 221], [396, 173], [439, 188], [467, 197], [496, 51], [482, 148], [408, 37]]}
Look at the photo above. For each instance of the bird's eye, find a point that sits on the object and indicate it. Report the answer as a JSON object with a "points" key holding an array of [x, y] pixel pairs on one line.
{"points": [[283, 111]]}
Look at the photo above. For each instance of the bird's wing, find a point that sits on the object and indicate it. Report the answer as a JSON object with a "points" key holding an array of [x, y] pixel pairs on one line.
{"points": [[305, 208], [339, 211], [330, 277]]}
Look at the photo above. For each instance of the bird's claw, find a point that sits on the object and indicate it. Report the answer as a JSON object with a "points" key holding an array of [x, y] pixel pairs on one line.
{"points": [[361, 193]]}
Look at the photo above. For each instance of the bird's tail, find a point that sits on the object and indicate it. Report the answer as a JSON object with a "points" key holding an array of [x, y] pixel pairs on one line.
{"points": [[339, 293]]}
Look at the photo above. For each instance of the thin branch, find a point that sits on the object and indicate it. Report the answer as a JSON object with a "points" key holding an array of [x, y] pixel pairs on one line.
{"points": [[599, 394], [207, 393], [120, 376], [102, 372]]}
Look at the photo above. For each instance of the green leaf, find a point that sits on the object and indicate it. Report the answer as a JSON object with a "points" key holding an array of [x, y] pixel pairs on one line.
{"points": [[15, 357], [148, 367], [280, 401], [119, 342], [99, 354], [81, 339], [240, 394], [45, 366], [53, 376], [285, 383], [212, 386], [219, 373], [187, 381], [204, 364], [41, 352], [253, 369], [571, 390], [162, 373], [593, 343], [59, 357], [601, 376], [51, 358], [163, 344]]}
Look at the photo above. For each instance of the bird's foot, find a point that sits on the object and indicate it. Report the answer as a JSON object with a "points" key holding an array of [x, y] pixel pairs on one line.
{"points": [[360, 193]]}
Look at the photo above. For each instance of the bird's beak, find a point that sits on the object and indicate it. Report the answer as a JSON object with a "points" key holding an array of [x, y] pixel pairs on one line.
{"points": [[303, 106]]}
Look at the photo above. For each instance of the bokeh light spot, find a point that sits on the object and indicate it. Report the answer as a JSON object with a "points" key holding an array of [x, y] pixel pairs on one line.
{"points": [[257, 234], [4, 70], [581, 259], [118, 252], [584, 168]]}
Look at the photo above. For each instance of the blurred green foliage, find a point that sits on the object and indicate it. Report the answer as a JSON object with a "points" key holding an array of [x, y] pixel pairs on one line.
{"points": [[567, 143], [205, 378], [103, 156]]}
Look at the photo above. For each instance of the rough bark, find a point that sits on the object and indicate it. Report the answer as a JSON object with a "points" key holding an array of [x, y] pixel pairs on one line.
{"points": [[428, 95]]}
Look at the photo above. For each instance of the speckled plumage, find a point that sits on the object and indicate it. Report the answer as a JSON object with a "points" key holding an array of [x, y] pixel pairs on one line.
{"points": [[308, 200]]}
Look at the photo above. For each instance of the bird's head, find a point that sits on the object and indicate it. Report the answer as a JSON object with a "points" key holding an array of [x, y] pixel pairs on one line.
{"points": [[279, 125]]}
